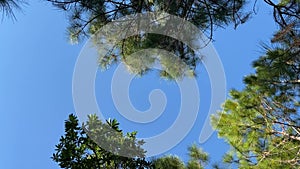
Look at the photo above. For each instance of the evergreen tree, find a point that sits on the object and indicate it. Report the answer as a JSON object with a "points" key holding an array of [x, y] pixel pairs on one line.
{"points": [[86, 17], [170, 162], [262, 121], [197, 160]]}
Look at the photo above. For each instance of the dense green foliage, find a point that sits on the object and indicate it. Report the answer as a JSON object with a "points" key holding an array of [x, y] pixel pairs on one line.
{"points": [[197, 160], [262, 121], [76, 150], [171, 162]]}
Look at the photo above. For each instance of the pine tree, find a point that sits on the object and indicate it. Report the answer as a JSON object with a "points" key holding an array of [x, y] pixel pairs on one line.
{"points": [[197, 160], [87, 17], [261, 123]]}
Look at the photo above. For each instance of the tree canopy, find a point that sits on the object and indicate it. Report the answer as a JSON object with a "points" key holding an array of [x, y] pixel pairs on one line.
{"points": [[76, 149], [87, 17], [262, 121]]}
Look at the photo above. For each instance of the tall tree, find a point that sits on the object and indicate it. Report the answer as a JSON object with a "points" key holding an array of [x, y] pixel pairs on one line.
{"points": [[262, 121]]}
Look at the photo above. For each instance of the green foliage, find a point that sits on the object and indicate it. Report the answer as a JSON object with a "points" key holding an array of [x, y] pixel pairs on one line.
{"points": [[170, 162], [111, 138], [87, 17], [262, 121], [76, 150], [197, 160]]}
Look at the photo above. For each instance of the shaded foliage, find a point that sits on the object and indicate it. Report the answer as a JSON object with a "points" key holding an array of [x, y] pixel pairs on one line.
{"points": [[76, 150], [87, 17]]}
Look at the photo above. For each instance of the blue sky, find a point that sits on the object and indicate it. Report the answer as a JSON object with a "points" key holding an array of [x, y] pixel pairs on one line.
{"points": [[36, 69]]}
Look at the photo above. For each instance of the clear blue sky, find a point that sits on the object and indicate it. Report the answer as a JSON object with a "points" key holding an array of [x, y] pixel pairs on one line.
{"points": [[36, 68]]}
